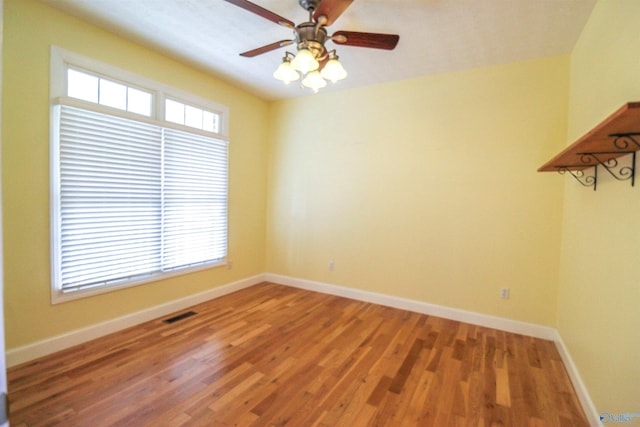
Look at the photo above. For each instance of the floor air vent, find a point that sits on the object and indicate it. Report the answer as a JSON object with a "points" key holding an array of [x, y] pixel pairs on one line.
{"points": [[179, 317]]}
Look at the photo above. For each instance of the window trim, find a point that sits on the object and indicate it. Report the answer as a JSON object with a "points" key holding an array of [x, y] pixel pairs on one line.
{"points": [[60, 61]]}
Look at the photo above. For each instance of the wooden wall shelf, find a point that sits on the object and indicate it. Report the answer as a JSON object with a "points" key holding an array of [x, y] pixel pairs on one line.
{"points": [[618, 135]]}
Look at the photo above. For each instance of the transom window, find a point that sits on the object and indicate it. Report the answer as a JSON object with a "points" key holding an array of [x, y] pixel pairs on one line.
{"points": [[85, 86], [139, 179], [188, 115]]}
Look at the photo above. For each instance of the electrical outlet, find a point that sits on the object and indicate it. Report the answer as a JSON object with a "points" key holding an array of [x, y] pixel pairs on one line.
{"points": [[504, 293], [229, 264], [332, 265]]}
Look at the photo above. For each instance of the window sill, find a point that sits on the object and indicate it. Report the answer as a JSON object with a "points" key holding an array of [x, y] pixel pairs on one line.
{"points": [[58, 297]]}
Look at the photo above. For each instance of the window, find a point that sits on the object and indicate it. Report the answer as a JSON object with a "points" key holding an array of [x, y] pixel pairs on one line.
{"points": [[188, 115], [82, 85], [137, 194]]}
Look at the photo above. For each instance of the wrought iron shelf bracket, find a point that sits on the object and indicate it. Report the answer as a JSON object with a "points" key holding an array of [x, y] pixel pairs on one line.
{"points": [[626, 141], [612, 165], [579, 175]]}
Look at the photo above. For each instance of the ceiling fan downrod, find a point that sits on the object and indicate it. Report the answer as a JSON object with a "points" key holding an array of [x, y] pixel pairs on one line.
{"points": [[309, 5]]}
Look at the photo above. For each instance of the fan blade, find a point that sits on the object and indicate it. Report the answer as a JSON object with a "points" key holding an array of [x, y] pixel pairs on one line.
{"points": [[372, 40], [267, 48], [331, 9], [260, 11]]}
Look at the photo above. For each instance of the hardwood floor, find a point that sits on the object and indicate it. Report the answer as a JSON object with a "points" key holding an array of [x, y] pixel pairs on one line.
{"points": [[271, 355]]}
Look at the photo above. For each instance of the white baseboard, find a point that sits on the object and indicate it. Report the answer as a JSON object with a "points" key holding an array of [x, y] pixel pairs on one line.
{"points": [[37, 349], [581, 390], [480, 319]]}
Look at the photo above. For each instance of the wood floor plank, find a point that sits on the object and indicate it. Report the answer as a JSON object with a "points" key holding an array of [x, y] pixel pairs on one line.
{"points": [[272, 355]]}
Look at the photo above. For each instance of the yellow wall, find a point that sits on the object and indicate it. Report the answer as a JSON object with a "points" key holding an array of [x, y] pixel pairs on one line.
{"points": [[29, 29], [425, 188], [599, 287]]}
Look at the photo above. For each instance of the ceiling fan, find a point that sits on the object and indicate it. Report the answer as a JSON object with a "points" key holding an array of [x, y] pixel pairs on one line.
{"points": [[312, 59]]}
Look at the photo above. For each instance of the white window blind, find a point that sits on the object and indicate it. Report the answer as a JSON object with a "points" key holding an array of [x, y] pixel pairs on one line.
{"points": [[194, 200], [135, 199]]}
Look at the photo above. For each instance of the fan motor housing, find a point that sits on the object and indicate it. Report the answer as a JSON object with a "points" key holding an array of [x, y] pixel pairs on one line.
{"points": [[311, 36]]}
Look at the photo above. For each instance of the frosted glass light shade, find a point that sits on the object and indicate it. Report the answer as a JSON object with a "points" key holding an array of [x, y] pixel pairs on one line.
{"points": [[314, 81], [286, 73], [333, 71], [304, 61]]}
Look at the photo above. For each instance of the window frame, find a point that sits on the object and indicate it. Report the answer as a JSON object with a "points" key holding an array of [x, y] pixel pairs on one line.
{"points": [[60, 61]]}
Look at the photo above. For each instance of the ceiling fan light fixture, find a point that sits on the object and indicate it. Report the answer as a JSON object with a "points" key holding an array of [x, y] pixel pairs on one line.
{"points": [[285, 71], [333, 70], [314, 81], [310, 38], [304, 61]]}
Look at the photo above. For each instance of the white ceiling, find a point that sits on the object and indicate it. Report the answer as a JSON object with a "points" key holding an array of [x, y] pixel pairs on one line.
{"points": [[436, 36]]}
